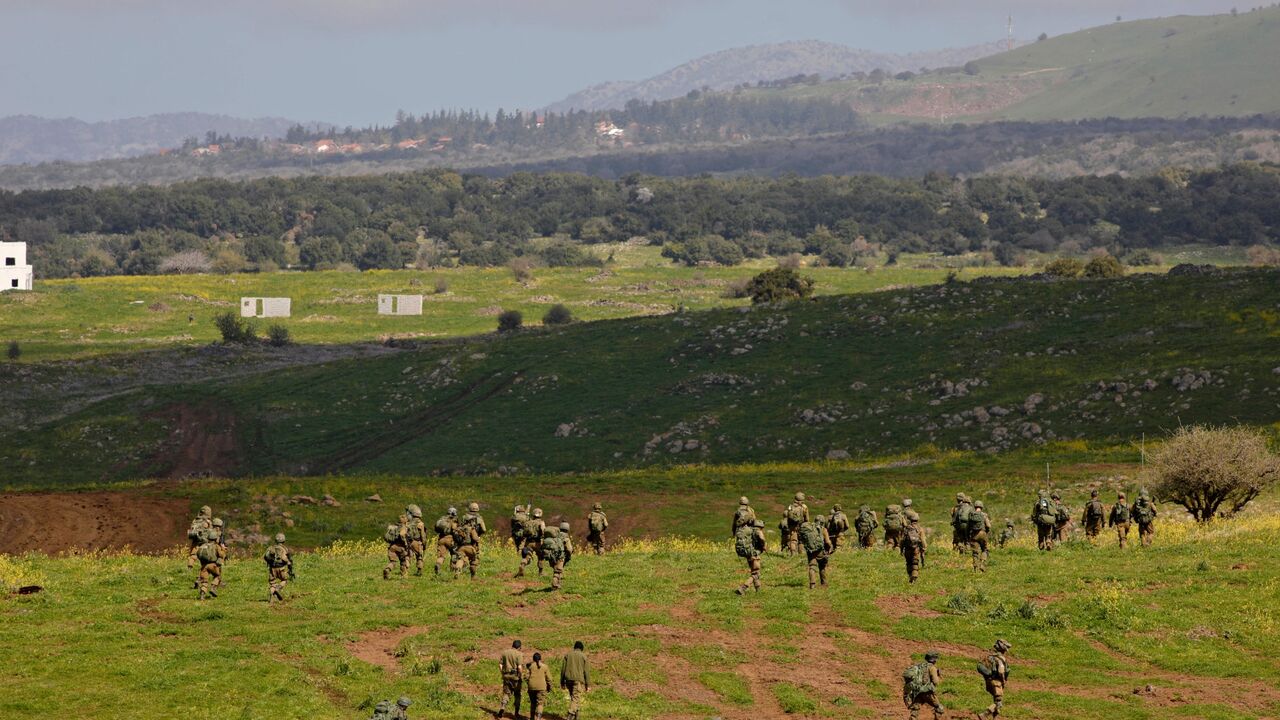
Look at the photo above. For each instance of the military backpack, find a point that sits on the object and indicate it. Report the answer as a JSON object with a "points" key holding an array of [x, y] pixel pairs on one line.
{"points": [[990, 667], [839, 523], [276, 556], [382, 711], [865, 522], [743, 516], [911, 537], [1143, 514], [444, 526], [207, 553], [530, 528], [977, 522], [744, 542], [596, 521], [1043, 514], [893, 517], [553, 548], [795, 512], [963, 511], [198, 533], [392, 534], [915, 681], [1094, 511], [1120, 513], [811, 538], [1060, 514]]}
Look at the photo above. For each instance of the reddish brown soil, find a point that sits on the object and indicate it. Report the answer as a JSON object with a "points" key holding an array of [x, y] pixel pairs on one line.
{"points": [[61, 522], [202, 442], [378, 647]]}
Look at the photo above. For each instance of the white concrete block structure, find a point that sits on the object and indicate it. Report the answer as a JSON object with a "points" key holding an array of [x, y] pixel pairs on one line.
{"points": [[399, 304], [265, 307], [15, 273]]}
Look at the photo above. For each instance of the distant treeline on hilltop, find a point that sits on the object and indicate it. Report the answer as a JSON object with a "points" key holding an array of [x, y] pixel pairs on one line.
{"points": [[441, 217]]}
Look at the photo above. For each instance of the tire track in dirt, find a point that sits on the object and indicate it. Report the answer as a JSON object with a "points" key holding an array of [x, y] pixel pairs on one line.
{"points": [[61, 522]]}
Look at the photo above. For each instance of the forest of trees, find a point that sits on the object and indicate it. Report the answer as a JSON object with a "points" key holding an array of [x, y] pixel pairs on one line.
{"points": [[440, 217]]}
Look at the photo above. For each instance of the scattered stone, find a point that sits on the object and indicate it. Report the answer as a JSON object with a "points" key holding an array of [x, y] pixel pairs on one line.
{"points": [[302, 500], [564, 430], [837, 454], [374, 498], [330, 501], [1033, 400]]}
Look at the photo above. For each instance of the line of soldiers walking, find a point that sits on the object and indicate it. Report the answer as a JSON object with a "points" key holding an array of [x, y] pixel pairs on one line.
{"points": [[535, 676], [208, 548], [1053, 519], [922, 682]]}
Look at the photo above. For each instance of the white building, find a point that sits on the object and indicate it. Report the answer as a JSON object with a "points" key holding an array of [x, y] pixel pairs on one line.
{"points": [[265, 307], [15, 273], [399, 304]]}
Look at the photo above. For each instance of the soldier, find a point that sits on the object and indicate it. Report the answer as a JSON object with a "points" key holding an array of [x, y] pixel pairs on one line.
{"points": [[397, 539], [279, 568], [574, 678], [866, 525], [797, 512], [1061, 519], [401, 710], [1094, 517], [1120, 519], [519, 516], [537, 679], [466, 547], [995, 671], [893, 526], [784, 536], [597, 523], [837, 526], [1144, 513], [914, 545], [1007, 534], [444, 538], [509, 665], [209, 554], [960, 522], [744, 516], [534, 530], [558, 549], [196, 534], [979, 529], [475, 520], [416, 535], [1043, 517], [920, 684], [381, 711], [817, 548], [749, 543]]}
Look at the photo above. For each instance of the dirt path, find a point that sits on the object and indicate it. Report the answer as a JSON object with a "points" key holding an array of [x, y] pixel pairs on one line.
{"points": [[58, 522]]}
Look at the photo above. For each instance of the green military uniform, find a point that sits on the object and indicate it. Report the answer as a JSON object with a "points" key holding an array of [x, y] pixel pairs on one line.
{"points": [[893, 526], [1007, 534], [1120, 519], [597, 523], [401, 710], [557, 546], [866, 524], [979, 530], [382, 711], [474, 519], [837, 526], [749, 543], [444, 529], [510, 665], [817, 549], [1061, 519], [519, 516], [796, 514], [279, 568], [995, 672], [1094, 517], [397, 539], [197, 533], [537, 680], [1144, 513], [744, 516], [466, 548], [211, 554], [1043, 517], [914, 545], [416, 537], [925, 694], [960, 522], [534, 530], [575, 678]]}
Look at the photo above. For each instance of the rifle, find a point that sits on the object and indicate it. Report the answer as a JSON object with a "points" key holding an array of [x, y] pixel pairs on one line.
{"points": [[292, 575]]}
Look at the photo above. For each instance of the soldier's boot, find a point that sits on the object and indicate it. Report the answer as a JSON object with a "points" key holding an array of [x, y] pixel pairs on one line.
{"points": [[520, 572], [811, 582], [386, 573], [822, 576]]}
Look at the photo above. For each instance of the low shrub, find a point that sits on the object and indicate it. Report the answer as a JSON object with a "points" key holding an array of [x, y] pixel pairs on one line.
{"points": [[234, 329], [278, 336], [559, 314], [510, 321], [1104, 266], [1064, 267]]}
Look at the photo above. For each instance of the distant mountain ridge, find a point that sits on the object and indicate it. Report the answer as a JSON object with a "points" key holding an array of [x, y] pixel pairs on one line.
{"points": [[728, 68], [31, 139]]}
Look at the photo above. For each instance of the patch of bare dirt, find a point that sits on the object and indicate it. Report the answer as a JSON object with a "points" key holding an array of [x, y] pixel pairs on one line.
{"points": [[378, 647], [896, 607], [202, 442], [51, 522]]}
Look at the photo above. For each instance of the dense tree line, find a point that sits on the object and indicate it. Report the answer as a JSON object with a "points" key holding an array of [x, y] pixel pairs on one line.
{"points": [[441, 217]]}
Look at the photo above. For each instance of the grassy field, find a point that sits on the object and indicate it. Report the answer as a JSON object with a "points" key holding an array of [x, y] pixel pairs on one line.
{"points": [[984, 366], [1193, 617]]}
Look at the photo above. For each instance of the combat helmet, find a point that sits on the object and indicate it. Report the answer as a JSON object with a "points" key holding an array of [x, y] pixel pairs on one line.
{"points": [[537, 512], [217, 522], [906, 502], [1093, 493], [279, 537], [743, 500], [414, 511], [383, 707], [206, 511], [517, 509], [799, 497], [1120, 496], [960, 497], [758, 523], [931, 656], [836, 508], [1055, 496], [1002, 645], [599, 507], [977, 504], [453, 512], [473, 507], [564, 527], [865, 509], [404, 702]]}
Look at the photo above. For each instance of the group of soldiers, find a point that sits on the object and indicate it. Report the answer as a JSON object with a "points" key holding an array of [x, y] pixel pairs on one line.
{"points": [[458, 540], [535, 676], [1053, 519], [208, 548], [922, 682]]}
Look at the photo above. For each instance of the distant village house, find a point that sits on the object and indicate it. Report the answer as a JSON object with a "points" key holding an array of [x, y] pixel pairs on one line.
{"points": [[15, 273]]}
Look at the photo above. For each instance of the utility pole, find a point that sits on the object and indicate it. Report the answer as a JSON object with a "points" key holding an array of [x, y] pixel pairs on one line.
{"points": [[1009, 41]]}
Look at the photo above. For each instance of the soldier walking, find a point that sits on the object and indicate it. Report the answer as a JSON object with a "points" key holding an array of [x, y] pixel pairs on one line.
{"points": [[534, 531], [1144, 513], [960, 523], [211, 554], [537, 680], [557, 548], [397, 539], [466, 548], [197, 533], [574, 678], [1120, 519], [1043, 517], [796, 514], [837, 526], [474, 519], [519, 516], [995, 672], [914, 545], [817, 549], [416, 536], [510, 666], [744, 516], [279, 568], [401, 710], [444, 528], [893, 526], [749, 543], [597, 523], [979, 529], [920, 686], [866, 524], [1094, 518], [1061, 519], [1007, 534]]}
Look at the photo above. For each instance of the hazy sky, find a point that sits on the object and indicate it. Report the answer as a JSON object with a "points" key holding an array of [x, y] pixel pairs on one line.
{"points": [[358, 61]]}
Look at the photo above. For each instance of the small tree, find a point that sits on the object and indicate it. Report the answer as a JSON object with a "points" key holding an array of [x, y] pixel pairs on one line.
{"points": [[1104, 266], [1205, 469], [1064, 267], [185, 263], [521, 269], [278, 336], [510, 321], [779, 284], [234, 329], [15, 350], [559, 314]]}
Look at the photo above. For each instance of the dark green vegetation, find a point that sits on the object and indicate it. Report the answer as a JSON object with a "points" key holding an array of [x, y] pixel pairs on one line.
{"points": [[439, 218], [988, 365]]}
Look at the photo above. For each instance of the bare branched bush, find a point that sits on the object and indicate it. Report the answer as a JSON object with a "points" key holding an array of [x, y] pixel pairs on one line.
{"points": [[792, 261], [1212, 471], [522, 269], [1264, 256], [186, 263]]}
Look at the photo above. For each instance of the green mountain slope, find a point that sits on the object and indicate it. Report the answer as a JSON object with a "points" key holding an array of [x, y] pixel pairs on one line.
{"points": [[989, 365], [1170, 67]]}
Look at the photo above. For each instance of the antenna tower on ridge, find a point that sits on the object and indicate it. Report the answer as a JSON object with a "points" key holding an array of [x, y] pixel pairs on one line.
{"points": [[1009, 41]]}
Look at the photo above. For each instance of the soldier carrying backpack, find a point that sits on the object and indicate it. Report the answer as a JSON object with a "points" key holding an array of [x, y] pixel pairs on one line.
{"points": [[1144, 513], [1061, 518], [1094, 517], [866, 525], [197, 534], [838, 525], [445, 545], [744, 516], [979, 528], [920, 684], [960, 522], [796, 514], [914, 545], [397, 539], [1043, 517], [534, 530], [749, 544], [597, 523], [1120, 518], [995, 673], [817, 548], [893, 526]]}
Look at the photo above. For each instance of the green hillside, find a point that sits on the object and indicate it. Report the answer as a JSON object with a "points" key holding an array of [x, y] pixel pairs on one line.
{"points": [[983, 366]]}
